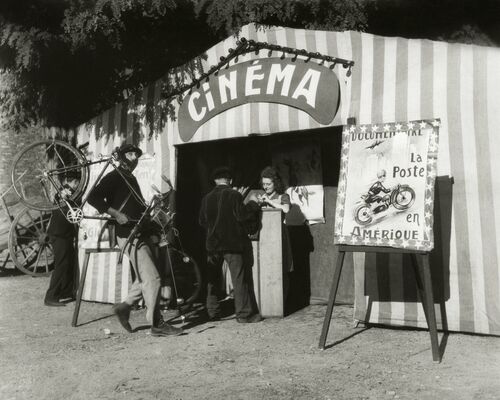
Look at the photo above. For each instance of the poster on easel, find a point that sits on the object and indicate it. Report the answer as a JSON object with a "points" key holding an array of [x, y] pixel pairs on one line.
{"points": [[386, 185]]}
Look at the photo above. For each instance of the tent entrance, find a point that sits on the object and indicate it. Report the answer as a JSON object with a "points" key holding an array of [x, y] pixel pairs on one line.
{"points": [[312, 245]]}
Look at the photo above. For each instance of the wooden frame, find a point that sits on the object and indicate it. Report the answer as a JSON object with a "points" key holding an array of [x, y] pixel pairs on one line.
{"points": [[420, 263]]}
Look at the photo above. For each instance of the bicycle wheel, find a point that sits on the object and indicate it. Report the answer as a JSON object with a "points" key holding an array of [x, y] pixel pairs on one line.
{"points": [[29, 244], [37, 172], [186, 279]]}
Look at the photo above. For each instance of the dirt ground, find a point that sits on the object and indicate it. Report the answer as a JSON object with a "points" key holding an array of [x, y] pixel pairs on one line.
{"points": [[43, 357]]}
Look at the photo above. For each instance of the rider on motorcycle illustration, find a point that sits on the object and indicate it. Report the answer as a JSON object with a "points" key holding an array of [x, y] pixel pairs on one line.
{"points": [[379, 198], [375, 190]]}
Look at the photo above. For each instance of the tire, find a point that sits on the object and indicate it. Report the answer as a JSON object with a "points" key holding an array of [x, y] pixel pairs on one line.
{"points": [[403, 198], [186, 281], [363, 214], [36, 170], [29, 244]]}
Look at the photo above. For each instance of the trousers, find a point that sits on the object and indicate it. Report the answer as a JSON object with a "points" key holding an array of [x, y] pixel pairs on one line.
{"points": [[240, 268], [147, 282], [62, 280]]}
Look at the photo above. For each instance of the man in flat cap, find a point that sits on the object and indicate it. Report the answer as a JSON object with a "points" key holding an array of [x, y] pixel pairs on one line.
{"points": [[119, 195], [223, 216]]}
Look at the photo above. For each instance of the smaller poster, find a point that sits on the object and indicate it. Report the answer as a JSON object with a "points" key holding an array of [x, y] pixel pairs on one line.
{"points": [[299, 165], [386, 185]]}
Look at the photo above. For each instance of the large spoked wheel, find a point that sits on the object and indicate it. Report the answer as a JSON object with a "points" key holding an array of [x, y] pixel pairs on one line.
{"points": [[29, 244], [363, 214], [186, 279], [37, 172], [403, 198]]}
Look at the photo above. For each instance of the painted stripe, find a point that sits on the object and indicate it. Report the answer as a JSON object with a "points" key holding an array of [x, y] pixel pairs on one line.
{"points": [[408, 284], [493, 112], [308, 42], [414, 95], [383, 273], [92, 273], [388, 97], [414, 75], [357, 75], [274, 109], [293, 118], [459, 216], [360, 300], [342, 42], [488, 290], [470, 161], [389, 68], [284, 111], [440, 103], [112, 279], [378, 73], [126, 276], [396, 285], [372, 288], [102, 281], [426, 80], [366, 95], [226, 119]]}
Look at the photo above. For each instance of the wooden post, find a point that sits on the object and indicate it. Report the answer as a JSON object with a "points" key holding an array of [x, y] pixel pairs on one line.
{"points": [[268, 265]]}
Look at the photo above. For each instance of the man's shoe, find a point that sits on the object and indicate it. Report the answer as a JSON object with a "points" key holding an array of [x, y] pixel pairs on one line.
{"points": [[122, 311], [165, 329], [250, 320], [53, 303]]}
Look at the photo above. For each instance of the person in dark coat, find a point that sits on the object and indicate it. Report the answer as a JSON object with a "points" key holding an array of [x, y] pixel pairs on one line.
{"points": [[62, 235], [223, 215], [119, 195]]}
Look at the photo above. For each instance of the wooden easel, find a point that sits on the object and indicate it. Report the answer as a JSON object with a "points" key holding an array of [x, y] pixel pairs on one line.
{"points": [[420, 261]]}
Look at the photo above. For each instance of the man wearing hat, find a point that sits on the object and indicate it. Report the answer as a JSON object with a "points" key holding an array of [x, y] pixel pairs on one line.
{"points": [[223, 215], [119, 195], [62, 235]]}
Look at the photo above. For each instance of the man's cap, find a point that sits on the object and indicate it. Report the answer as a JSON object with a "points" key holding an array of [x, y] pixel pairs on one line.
{"points": [[222, 173], [128, 147]]}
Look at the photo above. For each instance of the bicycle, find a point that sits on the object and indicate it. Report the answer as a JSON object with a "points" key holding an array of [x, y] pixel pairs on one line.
{"points": [[36, 173]]}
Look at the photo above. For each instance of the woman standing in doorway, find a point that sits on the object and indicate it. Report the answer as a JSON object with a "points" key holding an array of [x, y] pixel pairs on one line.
{"points": [[274, 195]]}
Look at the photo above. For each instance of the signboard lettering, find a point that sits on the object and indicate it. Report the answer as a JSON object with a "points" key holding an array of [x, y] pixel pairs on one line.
{"points": [[309, 86]]}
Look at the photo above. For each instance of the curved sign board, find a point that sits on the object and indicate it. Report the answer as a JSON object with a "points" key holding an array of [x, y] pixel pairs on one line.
{"points": [[307, 86]]}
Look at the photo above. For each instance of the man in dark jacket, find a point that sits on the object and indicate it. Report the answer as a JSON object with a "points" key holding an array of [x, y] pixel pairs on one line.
{"points": [[119, 195], [62, 234], [223, 215]]}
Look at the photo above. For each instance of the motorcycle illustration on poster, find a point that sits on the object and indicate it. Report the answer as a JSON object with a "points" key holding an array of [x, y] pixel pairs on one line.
{"points": [[386, 187]]}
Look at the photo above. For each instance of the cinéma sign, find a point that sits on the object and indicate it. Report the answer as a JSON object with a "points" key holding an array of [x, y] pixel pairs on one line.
{"points": [[308, 86], [386, 186]]}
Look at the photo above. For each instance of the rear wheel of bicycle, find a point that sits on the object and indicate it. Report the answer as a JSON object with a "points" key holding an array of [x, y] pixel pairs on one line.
{"points": [[38, 169], [185, 281]]}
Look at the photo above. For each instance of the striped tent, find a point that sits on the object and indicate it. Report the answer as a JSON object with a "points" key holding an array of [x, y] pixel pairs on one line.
{"points": [[394, 79]]}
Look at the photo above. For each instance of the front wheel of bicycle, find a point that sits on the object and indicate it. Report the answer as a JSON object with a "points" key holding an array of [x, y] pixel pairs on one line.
{"points": [[185, 277], [38, 169]]}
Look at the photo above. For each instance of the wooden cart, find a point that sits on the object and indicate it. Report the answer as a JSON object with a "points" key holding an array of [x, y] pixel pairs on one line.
{"points": [[23, 232]]}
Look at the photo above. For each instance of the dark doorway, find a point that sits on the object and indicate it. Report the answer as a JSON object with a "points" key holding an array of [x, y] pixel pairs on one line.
{"points": [[247, 157]]}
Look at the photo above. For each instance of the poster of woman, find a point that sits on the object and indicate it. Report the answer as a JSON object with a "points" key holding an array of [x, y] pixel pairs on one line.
{"points": [[386, 185]]}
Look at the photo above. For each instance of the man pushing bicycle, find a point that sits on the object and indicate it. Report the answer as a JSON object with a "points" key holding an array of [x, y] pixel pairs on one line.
{"points": [[118, 194]]}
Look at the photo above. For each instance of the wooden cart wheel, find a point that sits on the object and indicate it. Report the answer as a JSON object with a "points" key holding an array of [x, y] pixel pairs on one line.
{"points": [[29, 245]]}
